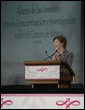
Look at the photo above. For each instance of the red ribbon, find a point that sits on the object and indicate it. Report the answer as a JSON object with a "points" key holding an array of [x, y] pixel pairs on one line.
{"points": [[7, 102], [67, 105]]}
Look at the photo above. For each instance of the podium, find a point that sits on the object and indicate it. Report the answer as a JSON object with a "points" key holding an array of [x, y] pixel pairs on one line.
{"points": [[49, 72]]}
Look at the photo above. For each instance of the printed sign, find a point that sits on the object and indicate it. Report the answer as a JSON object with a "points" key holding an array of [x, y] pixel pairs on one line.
{"points": [[42, 101], [42, 72]]}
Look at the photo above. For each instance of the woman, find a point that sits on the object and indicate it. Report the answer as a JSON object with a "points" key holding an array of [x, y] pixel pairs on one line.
{"points": [[62, 54]]}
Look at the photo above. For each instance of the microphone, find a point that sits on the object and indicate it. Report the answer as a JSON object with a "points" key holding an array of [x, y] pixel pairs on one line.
{"points": [[50, 55]]}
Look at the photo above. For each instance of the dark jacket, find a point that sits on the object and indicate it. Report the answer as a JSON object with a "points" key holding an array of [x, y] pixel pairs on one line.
{"points": [[67, 57]]}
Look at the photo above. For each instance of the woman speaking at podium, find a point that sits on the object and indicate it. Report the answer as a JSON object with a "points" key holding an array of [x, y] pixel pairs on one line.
{"points": [[62, 54]]}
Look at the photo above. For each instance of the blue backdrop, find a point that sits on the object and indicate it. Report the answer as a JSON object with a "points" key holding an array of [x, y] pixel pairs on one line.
{"points": [[28, 29]]}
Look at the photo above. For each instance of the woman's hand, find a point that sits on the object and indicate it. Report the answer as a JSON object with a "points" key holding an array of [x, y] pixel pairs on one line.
{"points": [[53, 57], [56, 57]]}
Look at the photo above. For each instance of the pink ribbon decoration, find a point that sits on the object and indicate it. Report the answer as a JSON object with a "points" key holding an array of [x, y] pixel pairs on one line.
{"points": [[61, 103], [42, 69], [7, 102]]}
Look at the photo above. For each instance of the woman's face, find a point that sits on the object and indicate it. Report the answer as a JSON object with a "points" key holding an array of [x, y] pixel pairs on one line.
{"points": [[57, 44]]}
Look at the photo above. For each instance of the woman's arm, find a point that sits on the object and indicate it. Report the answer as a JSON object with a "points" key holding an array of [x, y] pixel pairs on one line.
{"points": [[70, 59]]}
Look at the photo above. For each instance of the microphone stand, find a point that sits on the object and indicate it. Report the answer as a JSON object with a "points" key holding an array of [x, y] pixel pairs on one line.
{"points": [[49, 56]]}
